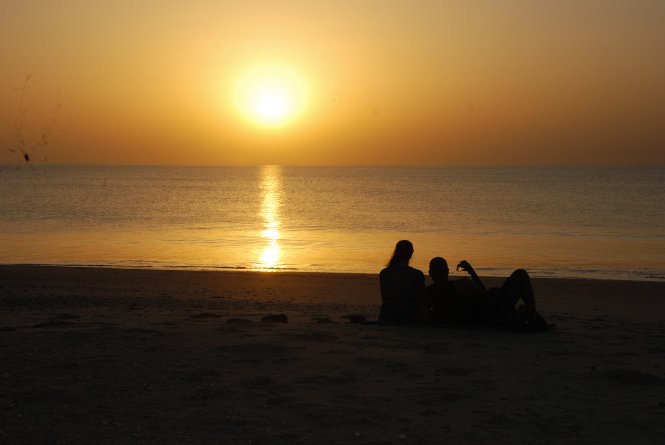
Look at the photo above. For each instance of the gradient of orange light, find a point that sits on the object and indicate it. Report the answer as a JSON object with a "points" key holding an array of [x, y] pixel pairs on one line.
{"points": [[417, 84]]}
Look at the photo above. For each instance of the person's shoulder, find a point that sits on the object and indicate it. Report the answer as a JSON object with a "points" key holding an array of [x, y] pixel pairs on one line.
{"points": [[416, 276], [387, 273]]}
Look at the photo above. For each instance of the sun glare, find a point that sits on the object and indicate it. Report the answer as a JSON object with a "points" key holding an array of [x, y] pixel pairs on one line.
{"points": [[270, 203], [271, 96]]}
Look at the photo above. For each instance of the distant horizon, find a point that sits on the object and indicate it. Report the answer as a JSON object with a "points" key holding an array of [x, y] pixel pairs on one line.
{"points": [[417, 166]]}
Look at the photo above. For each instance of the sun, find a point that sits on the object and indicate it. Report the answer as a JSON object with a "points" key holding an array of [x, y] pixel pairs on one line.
{"points": [[271, 96]]}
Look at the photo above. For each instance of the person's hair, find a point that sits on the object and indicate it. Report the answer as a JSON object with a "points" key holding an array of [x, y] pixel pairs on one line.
{"points": [[403, 252], [438, 263]]}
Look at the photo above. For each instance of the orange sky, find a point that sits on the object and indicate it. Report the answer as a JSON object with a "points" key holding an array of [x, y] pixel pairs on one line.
{"points": [[389, 82]]}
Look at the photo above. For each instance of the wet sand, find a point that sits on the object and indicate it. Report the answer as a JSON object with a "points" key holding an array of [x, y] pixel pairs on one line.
{"points": [[91, 355]]}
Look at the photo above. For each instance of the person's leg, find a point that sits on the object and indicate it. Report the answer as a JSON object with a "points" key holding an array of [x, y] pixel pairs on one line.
{"points": [[518, 287]]}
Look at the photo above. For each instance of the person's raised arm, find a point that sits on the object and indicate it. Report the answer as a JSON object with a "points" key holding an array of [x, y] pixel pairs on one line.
{"points": [[465, 266]]}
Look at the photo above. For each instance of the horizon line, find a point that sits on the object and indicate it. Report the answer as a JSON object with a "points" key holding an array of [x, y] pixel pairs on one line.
{"points": [[415, 166]]}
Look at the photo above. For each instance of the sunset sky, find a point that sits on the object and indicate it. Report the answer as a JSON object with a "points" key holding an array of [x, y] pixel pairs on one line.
{"points": [[334, 83]]}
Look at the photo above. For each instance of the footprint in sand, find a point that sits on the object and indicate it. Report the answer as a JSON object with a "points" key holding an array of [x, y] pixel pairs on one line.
{"points": [[482, 384], [319, 337], [631, 377], [54, 324], [440, 399], [259, 381], [205, 315], [453, 371]]}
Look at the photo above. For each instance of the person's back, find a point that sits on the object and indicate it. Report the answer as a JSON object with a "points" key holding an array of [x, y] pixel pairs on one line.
{"points": [[401, 291], [402, 287]]}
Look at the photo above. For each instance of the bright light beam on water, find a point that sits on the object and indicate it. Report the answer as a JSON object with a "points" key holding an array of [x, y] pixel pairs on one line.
{"points": [[270, 202]]}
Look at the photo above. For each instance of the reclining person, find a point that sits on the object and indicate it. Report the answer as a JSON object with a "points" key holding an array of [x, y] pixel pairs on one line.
{"points": [[467, 301]]}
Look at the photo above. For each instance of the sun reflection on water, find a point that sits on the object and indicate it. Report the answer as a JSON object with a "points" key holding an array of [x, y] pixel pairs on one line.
{"points": [[270, 202]]}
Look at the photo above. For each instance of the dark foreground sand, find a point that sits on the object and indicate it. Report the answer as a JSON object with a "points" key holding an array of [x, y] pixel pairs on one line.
{"points": [[115, 356]]}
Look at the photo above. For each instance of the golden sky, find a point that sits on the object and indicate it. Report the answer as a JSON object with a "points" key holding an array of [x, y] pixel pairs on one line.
{"points": [[420, 82]]}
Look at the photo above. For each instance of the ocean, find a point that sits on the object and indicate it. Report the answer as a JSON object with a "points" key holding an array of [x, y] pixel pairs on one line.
{"points": [[582, 222]]}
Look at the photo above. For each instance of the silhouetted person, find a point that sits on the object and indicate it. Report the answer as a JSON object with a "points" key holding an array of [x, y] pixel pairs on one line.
{"points": [[465, 301], [451, 301], [402, 287]]}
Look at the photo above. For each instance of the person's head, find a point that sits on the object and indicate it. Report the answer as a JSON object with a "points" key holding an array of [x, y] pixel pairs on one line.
{"points": [[402, 254], [438, 269]]}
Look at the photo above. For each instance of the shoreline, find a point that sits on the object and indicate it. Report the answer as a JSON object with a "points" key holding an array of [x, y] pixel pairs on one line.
{"points": [[359, 292], [97, 355], [295, 271]]}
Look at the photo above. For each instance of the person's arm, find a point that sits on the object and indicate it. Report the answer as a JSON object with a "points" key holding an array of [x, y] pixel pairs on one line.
{"points": [[424, 303], [384, 286], [465, 266]]}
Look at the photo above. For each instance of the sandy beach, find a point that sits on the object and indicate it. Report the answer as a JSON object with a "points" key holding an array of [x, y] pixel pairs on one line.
{"points": [[110, 356]]}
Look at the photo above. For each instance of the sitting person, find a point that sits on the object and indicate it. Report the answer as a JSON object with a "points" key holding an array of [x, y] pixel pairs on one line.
{"points": [[402, 287], [465, 301]]}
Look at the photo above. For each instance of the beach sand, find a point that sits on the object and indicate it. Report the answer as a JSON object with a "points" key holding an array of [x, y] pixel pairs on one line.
{"points": [[108, 356]]}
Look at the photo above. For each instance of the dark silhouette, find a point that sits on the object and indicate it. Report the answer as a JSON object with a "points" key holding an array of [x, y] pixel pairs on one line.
{"points": [[402, 287], [465, 301]]}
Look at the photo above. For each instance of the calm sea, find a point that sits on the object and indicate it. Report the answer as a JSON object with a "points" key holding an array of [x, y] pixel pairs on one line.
{"points": [[561, 222]]}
